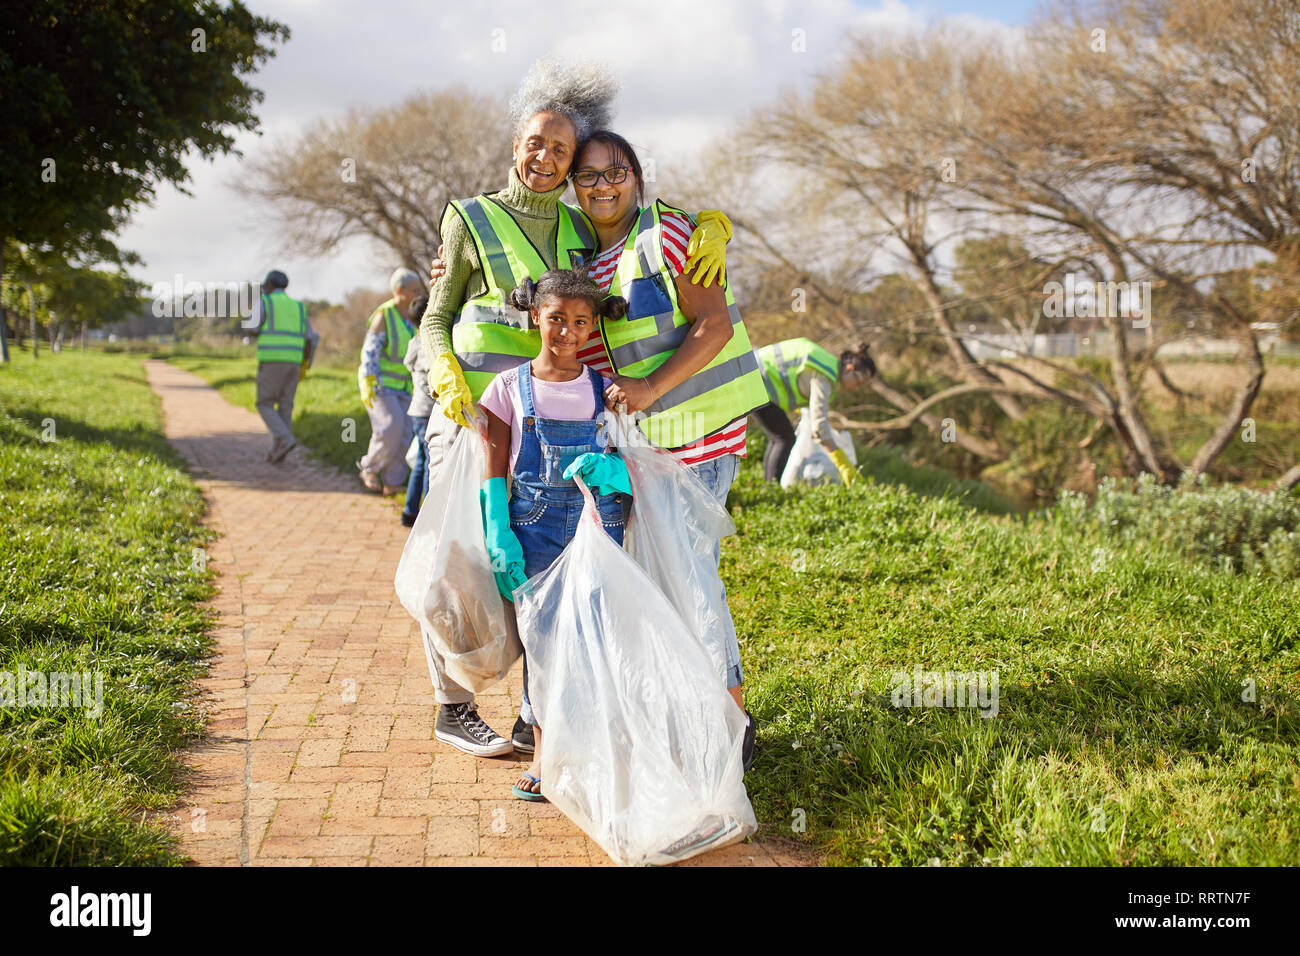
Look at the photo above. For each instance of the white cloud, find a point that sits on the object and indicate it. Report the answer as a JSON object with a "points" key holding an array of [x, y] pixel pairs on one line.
{"points": [[689, 69]]}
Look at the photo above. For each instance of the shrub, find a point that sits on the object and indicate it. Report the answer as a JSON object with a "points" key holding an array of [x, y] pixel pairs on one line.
{"points": [[1227, 527]]}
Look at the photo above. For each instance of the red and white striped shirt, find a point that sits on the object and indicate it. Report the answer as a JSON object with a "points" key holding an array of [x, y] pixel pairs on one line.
{"points": [[677, 229]]}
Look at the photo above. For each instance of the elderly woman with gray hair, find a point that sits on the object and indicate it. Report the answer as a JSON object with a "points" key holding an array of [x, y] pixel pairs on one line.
{"points": [[385, 384], [491, 244]]}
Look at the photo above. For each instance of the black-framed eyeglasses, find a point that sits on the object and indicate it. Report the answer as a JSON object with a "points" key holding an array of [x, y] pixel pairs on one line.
{"points": [[589, 177]]}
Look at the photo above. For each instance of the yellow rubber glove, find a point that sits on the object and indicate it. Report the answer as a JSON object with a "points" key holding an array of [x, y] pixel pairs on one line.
{"points": [[302, 369], [848, 474], [367, 384], [447, 381], [707, 251]]}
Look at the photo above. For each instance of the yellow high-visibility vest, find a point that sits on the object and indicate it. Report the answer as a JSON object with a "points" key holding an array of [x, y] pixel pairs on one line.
{"points": [[393, 372], [729, 387], [489, 335], [784, 362], [283, 335]]}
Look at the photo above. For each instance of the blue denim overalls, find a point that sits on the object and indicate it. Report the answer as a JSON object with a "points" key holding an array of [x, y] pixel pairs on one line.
{"points": [[544, 505]]}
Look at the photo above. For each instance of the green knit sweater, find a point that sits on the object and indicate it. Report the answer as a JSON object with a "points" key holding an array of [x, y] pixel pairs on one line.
{"points": [[538, 217]]}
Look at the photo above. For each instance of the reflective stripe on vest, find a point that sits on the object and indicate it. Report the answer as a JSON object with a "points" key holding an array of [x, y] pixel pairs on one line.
{"points": [[393, 372], [283, 336], [729, 387], [488, 335], [783, 363]]}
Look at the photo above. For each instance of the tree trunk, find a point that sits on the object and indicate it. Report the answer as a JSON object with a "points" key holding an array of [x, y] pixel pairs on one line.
{"points": [[1130, 413], [83, 336], [1241, 403], [976, 446], [967, 367], [1289, 480]]}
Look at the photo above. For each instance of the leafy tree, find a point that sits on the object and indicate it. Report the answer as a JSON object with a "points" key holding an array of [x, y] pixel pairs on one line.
{"points": [[49, 289], [103, 102]]}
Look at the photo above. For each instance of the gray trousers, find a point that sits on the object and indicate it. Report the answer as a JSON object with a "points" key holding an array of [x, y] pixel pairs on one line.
{"points": [[277, 382], [390, 436], [440, 436]]}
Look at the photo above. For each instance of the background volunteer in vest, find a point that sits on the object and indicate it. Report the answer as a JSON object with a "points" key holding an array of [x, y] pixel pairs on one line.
{"points": [[385, 384], [523, 231], [284, 338], [417, 485], [799, 373], [681, 357], [554, 108]]}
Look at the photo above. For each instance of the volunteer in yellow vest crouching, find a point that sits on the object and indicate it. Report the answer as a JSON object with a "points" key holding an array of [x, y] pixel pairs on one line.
{"points": [[385, 384], [799, 373], [284, 342]]}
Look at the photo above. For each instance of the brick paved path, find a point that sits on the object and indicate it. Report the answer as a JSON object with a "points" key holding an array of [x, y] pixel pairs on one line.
{"points": [[321, 710]]}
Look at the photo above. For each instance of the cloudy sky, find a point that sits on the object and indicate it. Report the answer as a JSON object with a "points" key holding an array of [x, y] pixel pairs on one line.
{"points": [[688, 68]]}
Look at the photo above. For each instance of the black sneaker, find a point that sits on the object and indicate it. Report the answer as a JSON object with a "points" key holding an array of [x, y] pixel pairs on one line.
{"points": [[747, 749], [460, 726], [408, 521], [278, 455], [522, 737]]}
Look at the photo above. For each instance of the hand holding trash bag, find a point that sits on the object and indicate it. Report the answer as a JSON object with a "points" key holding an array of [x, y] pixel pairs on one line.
{"points": [[605, 474], [446, 581], [502, 543], [643, 742]]}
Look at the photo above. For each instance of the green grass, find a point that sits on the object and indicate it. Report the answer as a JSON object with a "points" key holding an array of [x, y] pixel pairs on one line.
{"points": [[101, 569], [1121, 736], [1148, 711], [328, 416]]}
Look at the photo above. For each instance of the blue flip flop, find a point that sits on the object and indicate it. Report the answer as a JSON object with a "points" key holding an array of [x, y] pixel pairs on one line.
{"points": [[528, 794]]}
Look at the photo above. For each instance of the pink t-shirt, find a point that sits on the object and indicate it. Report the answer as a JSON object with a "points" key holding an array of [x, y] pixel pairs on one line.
{"points": [[568, 401]]}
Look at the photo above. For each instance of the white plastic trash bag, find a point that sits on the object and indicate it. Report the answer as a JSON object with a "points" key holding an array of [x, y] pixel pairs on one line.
{"points": [[809, 463], [445, 581], [641, 743], [413, 452], [675, 524]]}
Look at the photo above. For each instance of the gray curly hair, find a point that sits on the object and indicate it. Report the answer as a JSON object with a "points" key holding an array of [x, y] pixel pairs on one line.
{"points": [[582, 92]]}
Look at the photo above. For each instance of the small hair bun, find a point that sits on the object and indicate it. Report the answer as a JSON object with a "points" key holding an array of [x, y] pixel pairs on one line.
{"points": [[614, 307], [521, 297]]}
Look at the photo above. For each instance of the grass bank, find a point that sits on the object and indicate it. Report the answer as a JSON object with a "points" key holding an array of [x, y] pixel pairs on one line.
{"points": [[1146, 711], [101, 569]]}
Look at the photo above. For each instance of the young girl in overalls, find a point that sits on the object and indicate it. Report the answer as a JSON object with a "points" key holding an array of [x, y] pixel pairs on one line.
{"points": [[546, 424]]}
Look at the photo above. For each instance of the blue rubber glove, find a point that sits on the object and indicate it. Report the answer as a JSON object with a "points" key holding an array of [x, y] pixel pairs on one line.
{"points": [[502, 544], [604, 474]]}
